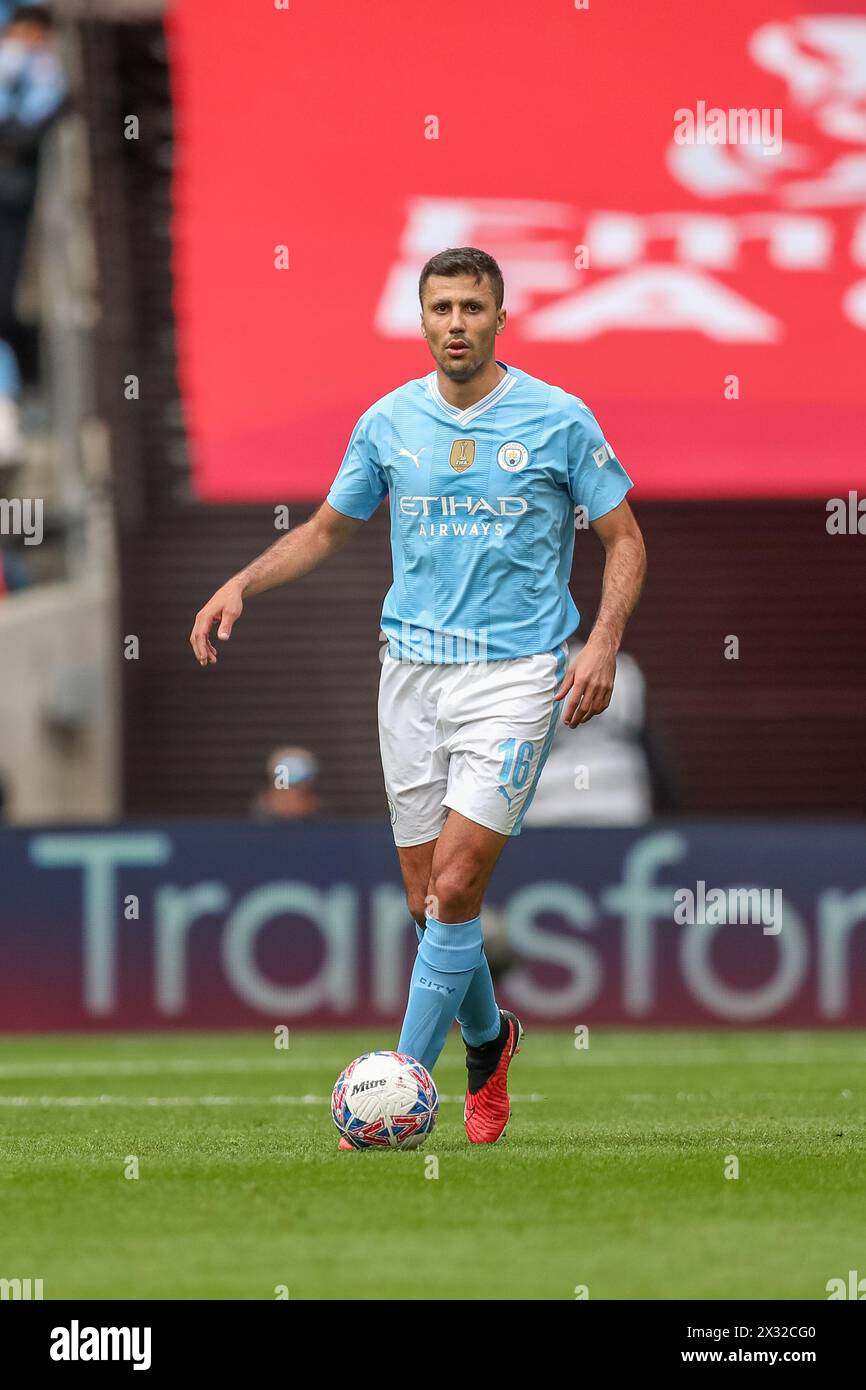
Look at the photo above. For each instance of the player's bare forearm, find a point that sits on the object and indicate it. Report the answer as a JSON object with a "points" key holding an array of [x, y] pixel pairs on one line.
{"points": [[591, 675], [298, 552], [624, 573], [292, 556]]}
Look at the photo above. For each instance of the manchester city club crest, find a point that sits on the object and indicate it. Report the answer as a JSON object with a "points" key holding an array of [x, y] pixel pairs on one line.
{"points": [[462, 455], [513, 456]]}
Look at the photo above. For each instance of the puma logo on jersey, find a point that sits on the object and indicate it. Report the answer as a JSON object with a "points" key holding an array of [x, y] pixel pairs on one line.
{"points": [[407, 453], [508, 798]]}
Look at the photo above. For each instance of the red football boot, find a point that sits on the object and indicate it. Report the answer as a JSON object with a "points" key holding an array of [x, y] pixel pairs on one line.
{"points": [[487, 1108], [344, 1143]]}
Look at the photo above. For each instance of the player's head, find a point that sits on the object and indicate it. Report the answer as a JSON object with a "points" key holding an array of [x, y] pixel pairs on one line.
{"points": [[461, 293], [30, 24]]}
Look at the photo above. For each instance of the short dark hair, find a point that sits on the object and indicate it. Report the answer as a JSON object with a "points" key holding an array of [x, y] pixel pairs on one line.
{"points": [[464, 260]]}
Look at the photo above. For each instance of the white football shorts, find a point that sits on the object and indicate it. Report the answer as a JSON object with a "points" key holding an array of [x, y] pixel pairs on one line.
{"points": [[471, 737]]}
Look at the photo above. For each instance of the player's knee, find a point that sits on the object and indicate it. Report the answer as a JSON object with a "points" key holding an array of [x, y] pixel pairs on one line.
{"points": [[453, 896]]}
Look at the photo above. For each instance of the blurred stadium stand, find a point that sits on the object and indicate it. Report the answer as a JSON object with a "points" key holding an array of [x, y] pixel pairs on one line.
{"points": [[782, 732], [59, 697]]}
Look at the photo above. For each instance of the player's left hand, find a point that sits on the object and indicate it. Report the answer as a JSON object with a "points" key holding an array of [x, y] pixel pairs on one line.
{"points": [[590, 679]]}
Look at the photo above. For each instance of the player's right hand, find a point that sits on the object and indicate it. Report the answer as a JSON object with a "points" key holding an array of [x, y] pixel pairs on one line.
{"points": [[224, 608]]}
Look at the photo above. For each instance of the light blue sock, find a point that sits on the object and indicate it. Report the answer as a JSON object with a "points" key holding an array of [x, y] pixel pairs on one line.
{"points": [[448, 955], [479, 1016], [480, 1020]]}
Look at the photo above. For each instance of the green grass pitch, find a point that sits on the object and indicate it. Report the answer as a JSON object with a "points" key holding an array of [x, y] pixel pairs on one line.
{"points": [[611, 1176]]}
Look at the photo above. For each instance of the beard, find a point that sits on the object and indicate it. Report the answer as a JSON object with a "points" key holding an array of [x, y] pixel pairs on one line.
{"points": [[462, 369]]}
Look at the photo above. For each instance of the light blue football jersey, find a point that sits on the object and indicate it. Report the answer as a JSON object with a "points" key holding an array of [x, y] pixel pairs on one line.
{"points": [[482, 513]]}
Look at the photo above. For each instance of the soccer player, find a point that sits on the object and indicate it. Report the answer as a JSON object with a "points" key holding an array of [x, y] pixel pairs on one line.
{"points": [[483, 465]]}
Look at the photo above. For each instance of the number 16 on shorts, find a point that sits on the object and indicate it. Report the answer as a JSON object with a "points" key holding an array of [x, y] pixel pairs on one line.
{"points": [[516, 767]]}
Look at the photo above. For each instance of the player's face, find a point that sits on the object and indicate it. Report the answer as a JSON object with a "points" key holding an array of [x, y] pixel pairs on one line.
{"points": [[460, 321]]}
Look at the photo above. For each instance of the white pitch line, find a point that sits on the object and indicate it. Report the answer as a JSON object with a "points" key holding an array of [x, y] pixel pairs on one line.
{"points": [[195, 1066], [156, 1101], [183, 1066], [697, 1058]]}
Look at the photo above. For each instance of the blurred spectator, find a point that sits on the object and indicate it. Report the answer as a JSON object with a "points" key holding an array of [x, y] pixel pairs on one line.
{"points": [[290, 793], [609, 771], [14, 572], [10, 386], [32, 93]]}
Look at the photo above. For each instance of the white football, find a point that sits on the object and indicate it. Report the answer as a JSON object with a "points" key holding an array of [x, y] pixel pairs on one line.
{"points": [[385, 1100]]}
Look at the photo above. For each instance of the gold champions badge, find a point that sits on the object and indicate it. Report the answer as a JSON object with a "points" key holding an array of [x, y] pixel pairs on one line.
{"points": [[462, 455]]}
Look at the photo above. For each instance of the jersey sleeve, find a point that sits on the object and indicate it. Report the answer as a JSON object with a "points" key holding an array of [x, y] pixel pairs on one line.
{"points": [[596, 478], [360, 484]]}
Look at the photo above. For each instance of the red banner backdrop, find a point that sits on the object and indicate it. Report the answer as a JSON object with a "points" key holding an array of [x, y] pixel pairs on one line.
{"points": [[675, 194]]}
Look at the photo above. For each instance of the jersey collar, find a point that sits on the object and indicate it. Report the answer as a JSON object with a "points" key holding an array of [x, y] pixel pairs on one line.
{"points": [[465, 417]]}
